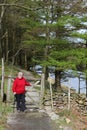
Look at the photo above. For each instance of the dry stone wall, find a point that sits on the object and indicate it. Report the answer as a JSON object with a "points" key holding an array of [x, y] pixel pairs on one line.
{"points": [[60, 101]]}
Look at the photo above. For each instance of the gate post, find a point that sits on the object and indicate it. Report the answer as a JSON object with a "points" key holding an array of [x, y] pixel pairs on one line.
{"points": [[42, 89], [8, 88]]}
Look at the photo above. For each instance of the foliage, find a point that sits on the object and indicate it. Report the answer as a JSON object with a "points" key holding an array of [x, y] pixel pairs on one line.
{"points": [[37, 32], [4, 110]]}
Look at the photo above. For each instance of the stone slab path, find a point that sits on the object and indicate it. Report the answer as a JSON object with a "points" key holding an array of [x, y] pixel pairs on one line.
{"points": [[30, 121], [34, 119]]}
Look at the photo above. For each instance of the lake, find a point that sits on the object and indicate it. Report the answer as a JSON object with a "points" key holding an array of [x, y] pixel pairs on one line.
{"points": [[71, 82]]}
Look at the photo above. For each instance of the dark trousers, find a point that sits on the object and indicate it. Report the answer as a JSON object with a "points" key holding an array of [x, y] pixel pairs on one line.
{"points": [[20, 100]]}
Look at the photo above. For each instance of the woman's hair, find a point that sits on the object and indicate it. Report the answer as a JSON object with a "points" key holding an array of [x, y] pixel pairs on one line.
{"points": [[20, 74]]}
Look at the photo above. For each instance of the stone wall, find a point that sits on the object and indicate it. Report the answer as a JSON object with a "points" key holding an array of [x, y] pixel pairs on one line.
{"points": [[60, 101]]}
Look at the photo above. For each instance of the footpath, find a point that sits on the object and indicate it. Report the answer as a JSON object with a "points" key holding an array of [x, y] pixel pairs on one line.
{"points": [[30, 121], [35, 118]]}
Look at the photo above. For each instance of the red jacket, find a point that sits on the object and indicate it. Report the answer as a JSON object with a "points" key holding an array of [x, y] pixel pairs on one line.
{"points": [[19, 85]]}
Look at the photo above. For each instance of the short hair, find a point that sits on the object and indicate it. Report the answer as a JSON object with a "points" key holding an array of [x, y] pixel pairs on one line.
{"points": [[20, 73]]}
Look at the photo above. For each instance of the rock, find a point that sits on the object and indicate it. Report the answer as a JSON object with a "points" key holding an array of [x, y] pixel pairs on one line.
{"points": [[53, 116], [67, 120], [61, 127], [85, 103], [80, 102], [67, 128]]}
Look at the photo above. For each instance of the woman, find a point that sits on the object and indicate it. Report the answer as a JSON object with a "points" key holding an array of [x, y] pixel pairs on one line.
{"points": [[18, 89]]}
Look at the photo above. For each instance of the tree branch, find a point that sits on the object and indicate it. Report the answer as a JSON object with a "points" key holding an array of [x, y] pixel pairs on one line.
{"points": [[20, 6]]}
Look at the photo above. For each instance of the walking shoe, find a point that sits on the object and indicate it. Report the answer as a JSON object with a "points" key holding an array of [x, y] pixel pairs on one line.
{"points": [[25, 110], [18, 111]]}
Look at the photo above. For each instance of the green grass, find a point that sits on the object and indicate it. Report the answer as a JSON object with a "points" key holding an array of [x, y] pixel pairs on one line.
{"points": [[6, 108], [64, 114]]}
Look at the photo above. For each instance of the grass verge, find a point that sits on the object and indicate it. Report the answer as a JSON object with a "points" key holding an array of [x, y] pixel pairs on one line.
{"points": [[4, 110]]}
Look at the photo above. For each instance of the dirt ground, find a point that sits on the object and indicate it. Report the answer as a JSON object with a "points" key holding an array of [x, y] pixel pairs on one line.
{"points": [[80, 122]]}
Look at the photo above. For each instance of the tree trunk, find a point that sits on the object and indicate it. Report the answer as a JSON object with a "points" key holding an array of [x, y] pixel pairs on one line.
{"points": [[86, 86], [47, 39], [1, 34], [2, 81], [45, 67], [86, 74], [6, 46], [58, 80], [79, 85], [25, 61]]}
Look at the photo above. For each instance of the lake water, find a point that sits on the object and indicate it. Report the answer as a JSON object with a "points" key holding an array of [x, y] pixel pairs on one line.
{"points": [[71, 82], [74, 82]]}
